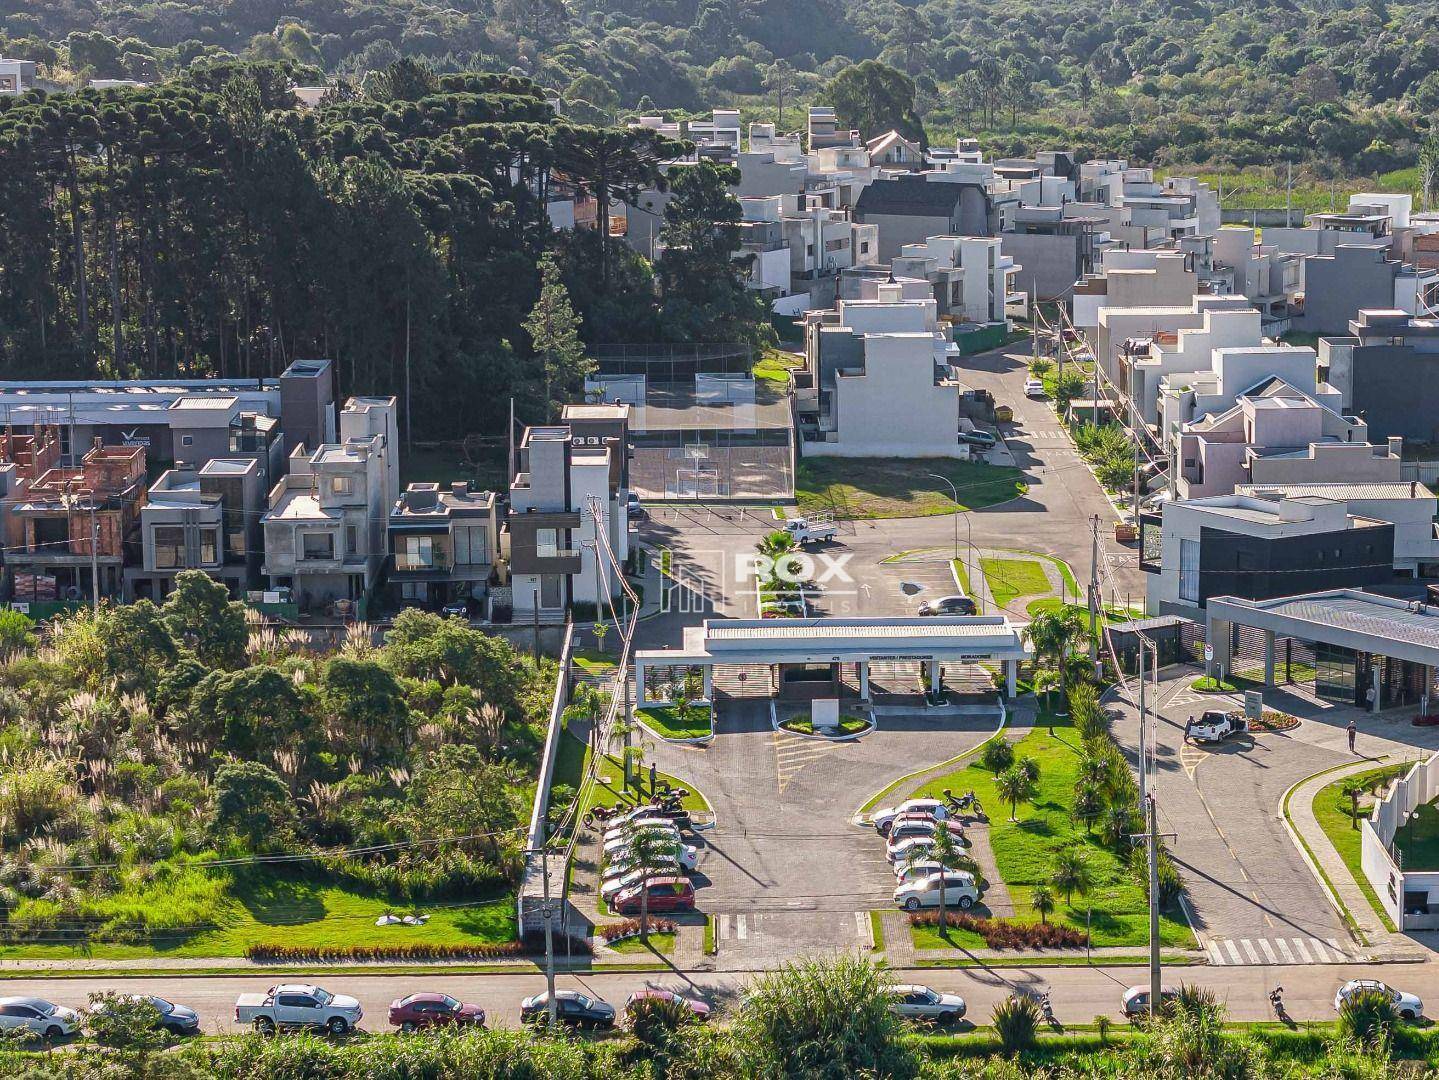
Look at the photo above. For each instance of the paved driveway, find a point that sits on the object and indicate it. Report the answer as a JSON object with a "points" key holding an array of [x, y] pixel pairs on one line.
{"points": [[785, 869]]}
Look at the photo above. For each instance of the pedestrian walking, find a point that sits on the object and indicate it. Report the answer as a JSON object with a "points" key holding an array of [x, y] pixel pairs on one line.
{"points": [[1353, 730], [1188, 724]]}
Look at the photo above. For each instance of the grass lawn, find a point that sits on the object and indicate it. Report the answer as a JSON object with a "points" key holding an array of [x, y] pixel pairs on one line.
{"points": [[659, 944], [1010, 579], [775, 365], [1419, 839], [1335, 813], [856, 488], [1025, 850], [665, 720], [608, 789], [876, 930], [269, 909], [961, 575], [804, 725], [1207, 684], [593, 662]]}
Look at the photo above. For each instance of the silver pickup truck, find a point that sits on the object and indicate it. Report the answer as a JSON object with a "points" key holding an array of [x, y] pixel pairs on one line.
{"points": [[298, 1005]]}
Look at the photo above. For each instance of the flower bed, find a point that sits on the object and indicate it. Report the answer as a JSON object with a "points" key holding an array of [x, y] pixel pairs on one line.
{"points": [[612, 932], [319, 954], [848, 726], [1001, 934], [1274, 720]]}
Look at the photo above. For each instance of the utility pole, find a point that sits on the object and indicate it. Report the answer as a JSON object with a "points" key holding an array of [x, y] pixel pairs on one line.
{"points": [[535, 647], [94, 557], [1153, 840], [1289, 195], [1094, 590], [551, 1006], [1143, 725], [1137, 483]]}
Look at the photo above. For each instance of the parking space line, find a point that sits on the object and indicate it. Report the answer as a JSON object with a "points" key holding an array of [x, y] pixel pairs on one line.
{"points": [[741, 929], [724, 927]]}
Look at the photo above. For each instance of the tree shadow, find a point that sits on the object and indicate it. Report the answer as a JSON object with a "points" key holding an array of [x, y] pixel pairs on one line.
{"points": [[276, 901]]}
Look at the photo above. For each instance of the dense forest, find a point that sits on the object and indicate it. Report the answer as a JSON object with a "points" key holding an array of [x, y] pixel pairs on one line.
{"points": [[209, 225], [1348, 86]]}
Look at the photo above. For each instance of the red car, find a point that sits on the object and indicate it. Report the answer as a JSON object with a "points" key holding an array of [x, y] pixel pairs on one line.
{"points": [[434, 1010], [700, 1009], [666, 894]]}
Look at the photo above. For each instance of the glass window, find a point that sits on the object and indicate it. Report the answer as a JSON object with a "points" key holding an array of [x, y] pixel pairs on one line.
{"points": [[472, 547], [547, 544], [416, 553], [1189, 570], [209, 546], [319, 545], [341, 485], [169, 547], [352, 540]]}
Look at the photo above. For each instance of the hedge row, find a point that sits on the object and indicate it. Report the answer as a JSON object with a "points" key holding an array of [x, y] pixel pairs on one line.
{"points": [[504, 950], [631, 927], [999, 934]]}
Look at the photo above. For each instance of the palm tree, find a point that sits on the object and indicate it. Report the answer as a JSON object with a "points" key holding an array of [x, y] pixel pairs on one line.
{"points": [[1054, 635], [1015, 785], [1088, 803], [944, 852], [649, 851], [1042, 900], [1071, 874]]}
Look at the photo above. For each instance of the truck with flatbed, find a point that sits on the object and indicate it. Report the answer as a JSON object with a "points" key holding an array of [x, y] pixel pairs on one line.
{"points": [[814, 528]]}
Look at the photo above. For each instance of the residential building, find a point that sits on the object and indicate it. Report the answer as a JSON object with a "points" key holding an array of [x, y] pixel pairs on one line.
{"points": [[201, 519], [1256, 549], [568, 523], [1144, 278], [1387, 371], [17, 76], [893, 151], [1339, 285], [972, 280], [1370, 220], [800, 249], [909, 209], [325, 529], [1408, 506], [1056, 248], [824, 130], [1267, 277], [717, 137], [67, 527], [444, 542], [1277, 433], [221, 417], [876, 381]]}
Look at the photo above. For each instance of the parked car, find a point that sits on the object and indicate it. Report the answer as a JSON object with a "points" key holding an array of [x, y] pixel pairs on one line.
{"points": [[981, 440], [459, 609], [926, 819], [39, 1017], [959, 891], [884, 817], [177, 1019], [665, 894], [298, 1005], [686, 858], [1135, 1000], [1216, 726], [1408, 1006], [907, 827], [699, 1009], [658, 824], [572, 1008], [908, 848], [635, 507], [925, 1003], [610, 887], [921, 868], [622, 842], [1034, 388], [948, 605], [434, 1010]]}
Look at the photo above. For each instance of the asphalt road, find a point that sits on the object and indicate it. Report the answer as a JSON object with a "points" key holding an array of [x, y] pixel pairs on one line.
{"points": [[1078, 994]]}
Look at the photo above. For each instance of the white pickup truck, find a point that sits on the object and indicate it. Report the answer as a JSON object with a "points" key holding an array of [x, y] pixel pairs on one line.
{"points": [[298, 1005], [815, 529]]}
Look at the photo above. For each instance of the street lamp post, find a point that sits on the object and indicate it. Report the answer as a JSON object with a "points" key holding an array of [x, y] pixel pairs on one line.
{"points": [[968, 525]]}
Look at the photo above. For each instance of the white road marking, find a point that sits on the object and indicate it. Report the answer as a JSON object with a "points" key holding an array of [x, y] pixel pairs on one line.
{"points": [[724, 927], [1267, 951], [1337, 948], [1249, 950], [1318, 947], [1215, 956], [1284, 950], [1303, 950], [1233, 952], [741, 929]]}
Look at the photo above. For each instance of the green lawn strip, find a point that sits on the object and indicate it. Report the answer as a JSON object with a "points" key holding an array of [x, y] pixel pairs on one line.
{"points": [[861, 488], [1025, 850], [709, 946], [1055, 959], [1332, 811], [660, 944], [961, 575], [1418, 839], [775, 365], [664, 720], [1009, 579], [876, 929], [804, 725], [608, 788], [593, 662], [421, 968], [1206, 684]]}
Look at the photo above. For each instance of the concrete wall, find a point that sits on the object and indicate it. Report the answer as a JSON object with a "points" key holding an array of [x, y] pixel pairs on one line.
{"points": [[1396, 390], [897, 230], [1337, 286], [1050, 263], [1420, 785], [894, 409]]}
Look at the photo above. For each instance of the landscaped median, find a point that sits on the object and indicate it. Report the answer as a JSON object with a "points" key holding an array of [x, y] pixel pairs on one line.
{"points": [[681, 722], [850, 727]]}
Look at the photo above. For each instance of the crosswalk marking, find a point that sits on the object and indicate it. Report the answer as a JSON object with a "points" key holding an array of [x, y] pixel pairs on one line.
{"points": [[741, 928], [1277, 950], [723, 927]]}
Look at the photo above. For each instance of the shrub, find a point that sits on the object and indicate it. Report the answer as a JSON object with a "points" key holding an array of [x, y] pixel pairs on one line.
{"points": [[124, 1021], [997, 755], [1367, 1016], [319, 954], [655, 1021], [630, 927], [1003, 934], [1016, 1022]]}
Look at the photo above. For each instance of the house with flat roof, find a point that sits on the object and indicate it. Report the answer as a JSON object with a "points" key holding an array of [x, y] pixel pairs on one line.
{"points": [[1387, 371], [444, 543], [909, 209]]}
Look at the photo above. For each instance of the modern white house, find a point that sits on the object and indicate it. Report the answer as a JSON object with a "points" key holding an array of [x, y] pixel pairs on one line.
{"points": [[879, 383], [16, 76], [974, 281]]}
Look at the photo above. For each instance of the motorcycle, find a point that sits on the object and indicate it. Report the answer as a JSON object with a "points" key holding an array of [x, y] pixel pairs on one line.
{"points": [[1276, 999], [961, 803]]}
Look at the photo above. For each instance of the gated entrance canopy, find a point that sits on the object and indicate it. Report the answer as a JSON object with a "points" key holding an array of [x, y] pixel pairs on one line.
{"points": [[721, 642]]}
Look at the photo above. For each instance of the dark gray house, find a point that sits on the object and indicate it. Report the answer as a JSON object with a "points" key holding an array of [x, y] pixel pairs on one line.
{"points": [[1387, 370], [910, 209], [1337, 286]]}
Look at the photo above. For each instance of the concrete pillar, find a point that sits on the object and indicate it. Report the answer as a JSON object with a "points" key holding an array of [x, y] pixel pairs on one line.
{"points": [[709, 681], [639, 682], [933, 675], [1011, 675], [863, 667], [1269, 658], [1217, 636], [1374, 682]]}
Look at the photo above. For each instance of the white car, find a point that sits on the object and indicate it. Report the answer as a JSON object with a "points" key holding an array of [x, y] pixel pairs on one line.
{"points": [[1135, 1000], [913, 848], [622, 843], [1034, 388], [613, 886], [38, 1017], [959, 891], [884, 818], [1408, 1006], [629, 828], [918, 871], [1215, 726], [925, 1003], [687, 856], [910, 826]]}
